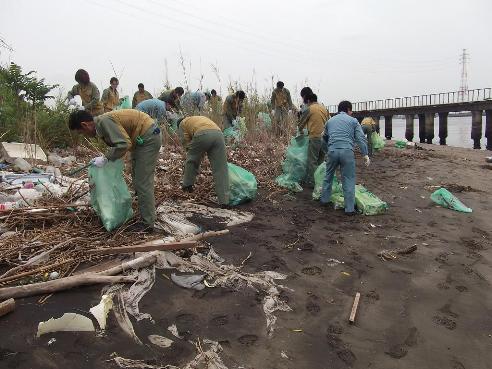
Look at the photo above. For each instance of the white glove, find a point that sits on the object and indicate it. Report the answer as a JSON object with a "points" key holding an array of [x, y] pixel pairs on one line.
{"points": [[72, 102], [367, 161], [99, 161]]}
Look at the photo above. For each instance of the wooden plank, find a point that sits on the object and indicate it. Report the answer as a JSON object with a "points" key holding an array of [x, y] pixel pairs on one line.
{"points": [[354, 308], [158, 245], [7, 306]]}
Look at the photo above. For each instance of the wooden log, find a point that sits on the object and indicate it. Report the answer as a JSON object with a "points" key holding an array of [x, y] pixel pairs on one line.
{"points": [[156, 245], [7, 306], [34, 271], [60, 285], [354, 308]]}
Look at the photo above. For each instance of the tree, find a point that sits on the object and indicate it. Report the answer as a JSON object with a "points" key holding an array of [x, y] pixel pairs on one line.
{"points": [[26, 86]]}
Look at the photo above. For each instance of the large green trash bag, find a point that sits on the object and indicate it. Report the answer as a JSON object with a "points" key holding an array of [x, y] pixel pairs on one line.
{"points": [[242, 185], [400, 144], [125, 103], [110, 197], [447, 200], [336, 188], [368, 203], [377, 141], [295, 164]]}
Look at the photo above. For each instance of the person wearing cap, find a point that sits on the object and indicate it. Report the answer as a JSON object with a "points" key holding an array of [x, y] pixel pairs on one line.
{"points": [[140, 95], [200, 135], [232, 107], [88, 92], [281, 104], [341, 134], [127, 130], [172, 98], [110, 97], [313, 118], [368, 125]]}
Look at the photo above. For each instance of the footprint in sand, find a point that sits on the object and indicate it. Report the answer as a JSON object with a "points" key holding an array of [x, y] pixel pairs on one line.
{"points": [[312, 270], [445, 322], [248, 339]]}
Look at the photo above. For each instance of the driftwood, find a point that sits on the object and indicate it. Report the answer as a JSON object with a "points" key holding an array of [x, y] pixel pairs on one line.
{"points": [[392, 254], [7, 306], [353, 312], [60, 285], [156, 245]]}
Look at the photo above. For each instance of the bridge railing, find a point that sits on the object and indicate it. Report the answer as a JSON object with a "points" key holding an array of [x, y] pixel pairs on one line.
{"points": [[453, 97]]}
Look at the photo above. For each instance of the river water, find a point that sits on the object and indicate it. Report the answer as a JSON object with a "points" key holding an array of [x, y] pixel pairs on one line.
{"points": [[459, 131]]}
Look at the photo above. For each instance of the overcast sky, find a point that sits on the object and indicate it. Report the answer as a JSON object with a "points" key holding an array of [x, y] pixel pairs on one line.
{"points": [[355, 50]]}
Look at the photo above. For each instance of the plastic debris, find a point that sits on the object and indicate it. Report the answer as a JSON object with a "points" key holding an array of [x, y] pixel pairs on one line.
{"points": [[242, 185], [101, 310], [69, 322], [283, 355], [160, 341], [58, 161], [110, 197], [21, 165], [54, 275], [51, 341], [295, 164], [446, 199], [192, 281], [208, 358], [333, 262]]}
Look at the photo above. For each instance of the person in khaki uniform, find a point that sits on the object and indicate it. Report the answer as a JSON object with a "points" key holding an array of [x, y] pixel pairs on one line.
{"points": [[314, 119], [232, 107], [110, 97], [88, 91], [368, 127], [127, 130], [172, 98], [140, 95], [281, 104], [215, 105], [200, 135]]}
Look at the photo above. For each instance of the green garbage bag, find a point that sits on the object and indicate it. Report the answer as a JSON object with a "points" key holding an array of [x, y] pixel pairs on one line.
{"points": [[377, 141], [336, 187], [110, 197], [242, 185], [295, 164], [368, 203], [125, 103], [400, 144], [447, 200]]}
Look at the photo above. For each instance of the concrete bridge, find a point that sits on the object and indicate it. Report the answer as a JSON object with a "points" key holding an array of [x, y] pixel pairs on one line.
{"points": [[425, 108]]}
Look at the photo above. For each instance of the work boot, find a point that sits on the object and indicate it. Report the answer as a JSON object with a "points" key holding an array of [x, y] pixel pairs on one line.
{"points": [[187, 189], [140, 227], [350, 213]]}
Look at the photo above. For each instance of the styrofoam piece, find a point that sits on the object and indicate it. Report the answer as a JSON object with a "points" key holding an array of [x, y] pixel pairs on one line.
{"points": [[12, 150]]}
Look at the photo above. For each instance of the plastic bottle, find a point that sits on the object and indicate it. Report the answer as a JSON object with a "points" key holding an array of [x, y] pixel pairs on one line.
{"points": [[8, 205]]}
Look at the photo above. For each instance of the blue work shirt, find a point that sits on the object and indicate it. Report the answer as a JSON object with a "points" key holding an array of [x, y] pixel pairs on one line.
{"points": [[154, 107], [342, 132]]}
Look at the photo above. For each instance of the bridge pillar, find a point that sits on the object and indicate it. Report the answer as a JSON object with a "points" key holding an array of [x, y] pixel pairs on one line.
{"points": [[409, 127], [488, 128], [476, 131], [443, 128], [429, 127], [422, 128], [388, 126]]}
